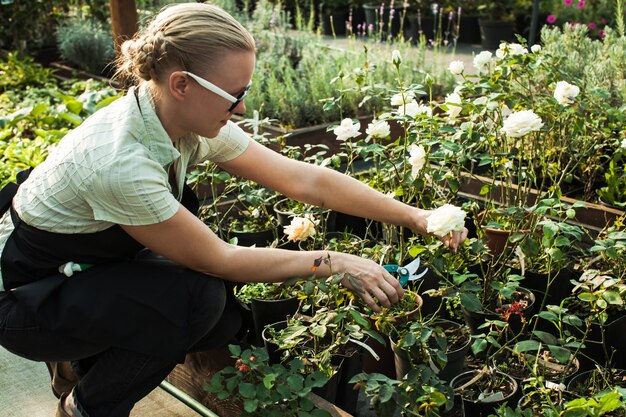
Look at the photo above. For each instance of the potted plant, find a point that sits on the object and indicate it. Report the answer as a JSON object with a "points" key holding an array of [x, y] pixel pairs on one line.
{"points": [[410, 396], [441, 344], [334, 16], [267, 389], [497, 22], [598, 298], [483, 390], [269, 303]]}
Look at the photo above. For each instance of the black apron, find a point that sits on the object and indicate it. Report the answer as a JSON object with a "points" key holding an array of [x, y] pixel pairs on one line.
{"points": [[124, 309]]}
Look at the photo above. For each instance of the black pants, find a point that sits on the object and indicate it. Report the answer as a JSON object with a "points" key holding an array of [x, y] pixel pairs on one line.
{"points": [[118, 377]]}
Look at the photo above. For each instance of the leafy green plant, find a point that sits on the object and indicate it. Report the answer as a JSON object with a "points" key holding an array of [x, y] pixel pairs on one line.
{"points": [[28, 131], [86, 43], [18, 71], [614, 192], [411, 396], [269, 390], [265, 291]]}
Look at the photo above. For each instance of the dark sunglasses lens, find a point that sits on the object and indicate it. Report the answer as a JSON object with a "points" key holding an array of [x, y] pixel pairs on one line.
{"points": [[239, 99]]}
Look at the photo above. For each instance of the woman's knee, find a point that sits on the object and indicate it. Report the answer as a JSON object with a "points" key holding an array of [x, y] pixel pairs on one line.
{"points": [[208, 300]]}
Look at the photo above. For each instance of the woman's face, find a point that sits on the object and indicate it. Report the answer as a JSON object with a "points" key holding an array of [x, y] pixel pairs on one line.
{"points": [[204, 111]]}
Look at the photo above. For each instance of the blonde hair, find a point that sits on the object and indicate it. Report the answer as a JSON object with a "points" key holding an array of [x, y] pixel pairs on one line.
{"points": [[189, 36]]}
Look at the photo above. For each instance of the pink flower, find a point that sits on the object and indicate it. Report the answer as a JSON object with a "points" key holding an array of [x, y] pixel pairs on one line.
{"points": [[551, 19], [601, 33], [581, 4], [603, 21], [567, 2], [591, 25]]}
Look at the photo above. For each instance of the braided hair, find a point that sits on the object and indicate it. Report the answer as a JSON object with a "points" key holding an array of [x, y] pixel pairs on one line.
{"points": [[188, 36]]}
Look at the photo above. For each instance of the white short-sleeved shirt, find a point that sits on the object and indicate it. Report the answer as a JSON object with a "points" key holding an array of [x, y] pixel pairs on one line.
{"points": [[113, 169]]}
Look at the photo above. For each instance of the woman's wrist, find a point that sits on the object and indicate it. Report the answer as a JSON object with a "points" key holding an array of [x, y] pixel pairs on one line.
{"points": [[420, 221]]}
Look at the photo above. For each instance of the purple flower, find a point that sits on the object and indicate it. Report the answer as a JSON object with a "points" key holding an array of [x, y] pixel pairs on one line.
{"points": [[551, 19], [591, 25], [601, 33], [581, 4], [567, 2]]}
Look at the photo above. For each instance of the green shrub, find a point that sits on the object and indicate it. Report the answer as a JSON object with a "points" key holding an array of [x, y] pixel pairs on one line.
{"points": [[598, 64], [85, 43]]}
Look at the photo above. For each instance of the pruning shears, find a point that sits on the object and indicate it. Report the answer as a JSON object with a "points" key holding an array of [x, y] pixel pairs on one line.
{"points": [[408, 272]]}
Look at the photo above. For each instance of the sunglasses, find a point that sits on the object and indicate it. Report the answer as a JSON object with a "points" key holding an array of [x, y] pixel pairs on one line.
{"points": [[215, 89]]}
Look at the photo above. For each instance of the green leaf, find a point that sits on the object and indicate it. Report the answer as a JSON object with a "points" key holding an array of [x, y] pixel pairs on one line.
{"points": [[485, 189], [359, 319], [247, 390], [479, 345], [548, 315], [613, 297], [318, 330], [250, 405], [561, 354], [526, 345], [470, 302], [268, 380], [385, 393], [545, 337]]}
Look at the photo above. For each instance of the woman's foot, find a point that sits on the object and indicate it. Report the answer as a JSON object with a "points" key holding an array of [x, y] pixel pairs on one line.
{"points": [[62, 377], [65, 404]]}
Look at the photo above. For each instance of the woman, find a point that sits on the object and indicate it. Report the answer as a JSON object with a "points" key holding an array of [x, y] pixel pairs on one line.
{"points": [[80, 276]]}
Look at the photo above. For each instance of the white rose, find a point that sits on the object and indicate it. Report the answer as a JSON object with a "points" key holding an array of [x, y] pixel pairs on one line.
{"points": [[623, 144], [401, 98], [414, 109], [482, 60], [347, 130], [521, 123], [256, 213], [300, 228], [378, 129], [453, 100], [456, 67], [501, 51], [535, 49], [417, 159], [517, 49], [446, 219], [565, 93]]}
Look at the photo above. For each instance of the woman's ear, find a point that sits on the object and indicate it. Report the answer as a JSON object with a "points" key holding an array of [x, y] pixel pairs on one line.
{"points": [[178, 84]]}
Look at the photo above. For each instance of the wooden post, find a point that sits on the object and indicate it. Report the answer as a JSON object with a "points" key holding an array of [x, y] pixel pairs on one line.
{"points": [[123, 20]]}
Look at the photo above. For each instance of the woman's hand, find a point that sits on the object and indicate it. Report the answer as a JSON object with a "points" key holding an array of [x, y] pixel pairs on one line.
{"points": [[370, 281], [452, 240]]}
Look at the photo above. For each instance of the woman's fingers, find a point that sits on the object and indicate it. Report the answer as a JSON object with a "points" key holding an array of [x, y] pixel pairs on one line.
{"points": [[454, 239], [374, 284]]}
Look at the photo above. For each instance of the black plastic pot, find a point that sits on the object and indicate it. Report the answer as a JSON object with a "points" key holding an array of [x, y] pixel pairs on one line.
{"points": [[456, 358], [475, 319], [262, 238], [266, 312], [579, 384], [536, 281], [594, 350], [481, 408], [272, 348], [492, 32], [334, 23]]}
